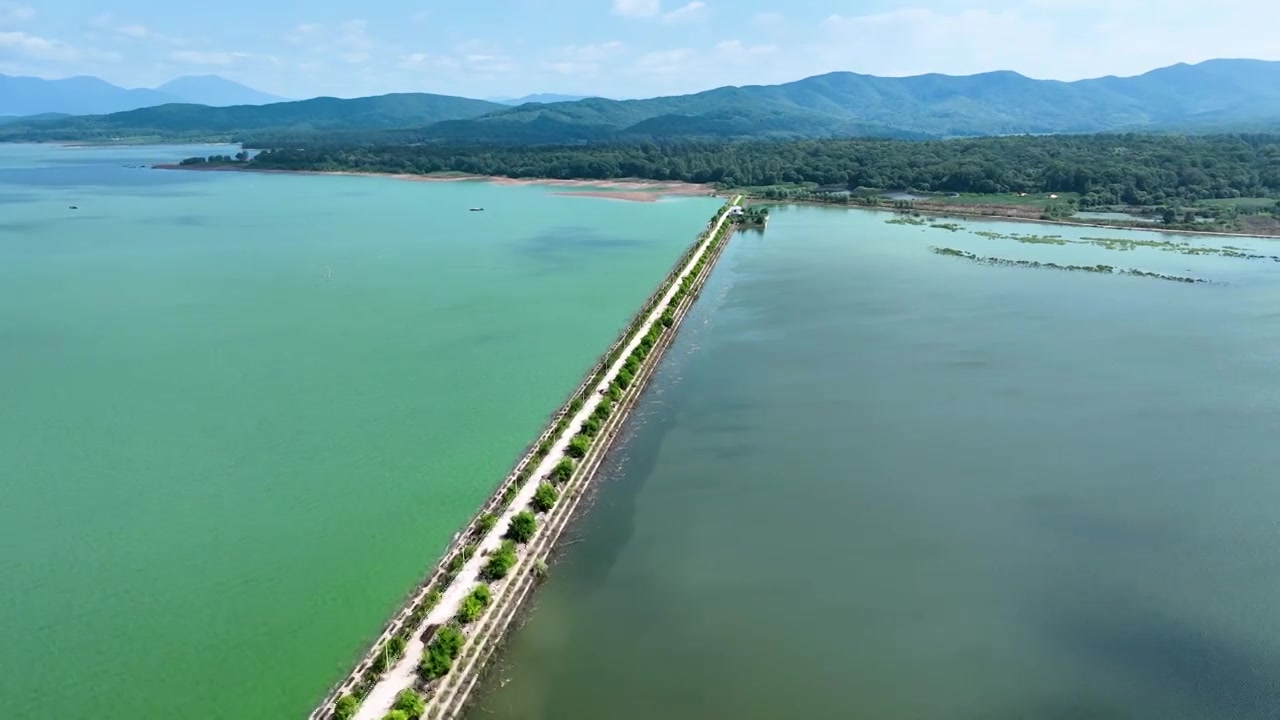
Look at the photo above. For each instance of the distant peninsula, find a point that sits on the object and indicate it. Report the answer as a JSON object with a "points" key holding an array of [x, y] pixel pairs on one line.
{"points": [[1201, 183]]}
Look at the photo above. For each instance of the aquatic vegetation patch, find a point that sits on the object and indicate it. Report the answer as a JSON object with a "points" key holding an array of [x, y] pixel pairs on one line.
{"points": [[1099, 268], [907, 220], [920, 221], [1127, 244]]}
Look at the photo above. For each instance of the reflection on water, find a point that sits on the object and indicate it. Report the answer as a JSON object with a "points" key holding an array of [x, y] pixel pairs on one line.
{"points": [[873, 482]]}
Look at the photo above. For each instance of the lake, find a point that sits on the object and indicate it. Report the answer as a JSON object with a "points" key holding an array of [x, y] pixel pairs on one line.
{"points": [[242, 414], [870, 481]]}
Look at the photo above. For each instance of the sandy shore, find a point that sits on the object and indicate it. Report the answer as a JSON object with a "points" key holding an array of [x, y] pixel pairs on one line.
{"points": [[633, 190]]}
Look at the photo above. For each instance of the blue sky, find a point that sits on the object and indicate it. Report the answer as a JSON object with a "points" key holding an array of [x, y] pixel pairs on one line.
{"points": [[615, 48]]}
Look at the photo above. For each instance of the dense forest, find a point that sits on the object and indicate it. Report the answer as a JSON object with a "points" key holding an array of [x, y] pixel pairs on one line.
{"points": [[1103, 169]]}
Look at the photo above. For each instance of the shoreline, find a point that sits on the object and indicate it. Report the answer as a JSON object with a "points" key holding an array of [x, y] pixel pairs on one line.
{"points": [[958, 214], [633, 189]]}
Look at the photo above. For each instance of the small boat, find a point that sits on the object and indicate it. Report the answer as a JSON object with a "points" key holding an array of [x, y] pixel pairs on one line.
{"points": [[73, 207], [477, 209]]}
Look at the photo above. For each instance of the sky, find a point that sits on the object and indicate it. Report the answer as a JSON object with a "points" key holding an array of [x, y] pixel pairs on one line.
{"points": [[611, 48]]}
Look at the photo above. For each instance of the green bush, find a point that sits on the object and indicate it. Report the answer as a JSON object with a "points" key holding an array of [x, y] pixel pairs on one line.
{"points": [[603, 410], [485, 523], [410, 703], [632, 365], [395, 646], [501, 560], [449, 639], [624, 379], [438, 657], [578, 446], [545, 497], [522, 527], [396, 715], [509, 494], [391, 652], [474, 604], [615, 391], [468, 611], [434, 663], [667, 319], [575, 405], [346, 707], [455, 563], [562, 471], [591, 426], [432, 599]]}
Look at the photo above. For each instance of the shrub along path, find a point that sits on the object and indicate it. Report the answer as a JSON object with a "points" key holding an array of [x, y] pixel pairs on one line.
{"points": [[403, 674]]}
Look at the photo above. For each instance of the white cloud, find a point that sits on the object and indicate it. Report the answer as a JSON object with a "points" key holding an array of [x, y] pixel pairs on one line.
{"points": [[201, 57], [488, 64], [302, 33], [1044, 38], [135, 31], [692, 12], [733, 50], [14, 14], [637, 8], [665, 62], [768, 19], [583, 60], [34, 47], [354, 35], [423, 60], [592, 52]]}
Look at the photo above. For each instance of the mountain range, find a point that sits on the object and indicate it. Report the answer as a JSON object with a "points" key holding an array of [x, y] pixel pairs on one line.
{"points": [[1216, 94], [23, 96]]}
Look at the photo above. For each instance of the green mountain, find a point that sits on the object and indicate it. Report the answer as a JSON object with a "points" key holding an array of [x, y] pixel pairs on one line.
{"points": [[297, 119], [1215, 93]]}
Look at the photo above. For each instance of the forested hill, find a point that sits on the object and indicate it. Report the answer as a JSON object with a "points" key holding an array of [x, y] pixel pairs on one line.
{"points": [[1220, 95], [300, 119], [1103, 169], [1221, 92]]}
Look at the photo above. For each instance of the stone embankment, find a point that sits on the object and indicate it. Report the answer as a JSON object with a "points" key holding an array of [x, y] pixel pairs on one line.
{"points": [[427, 660]]}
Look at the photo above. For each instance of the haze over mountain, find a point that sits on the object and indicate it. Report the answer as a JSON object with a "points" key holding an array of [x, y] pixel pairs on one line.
{"points": [[539, 98], [1217, 94], [20, 96], [216, 91]]}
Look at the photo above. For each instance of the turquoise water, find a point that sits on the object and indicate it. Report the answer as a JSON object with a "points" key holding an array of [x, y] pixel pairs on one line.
{"points": [[242, 413], [869, 481]]}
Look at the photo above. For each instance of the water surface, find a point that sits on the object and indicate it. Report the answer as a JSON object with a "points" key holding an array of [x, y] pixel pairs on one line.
{"points": [[874, 482], [242, 413]]}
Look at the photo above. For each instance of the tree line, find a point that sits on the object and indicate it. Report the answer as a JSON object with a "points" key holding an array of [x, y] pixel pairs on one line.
{"points": [[1106, 169]]}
